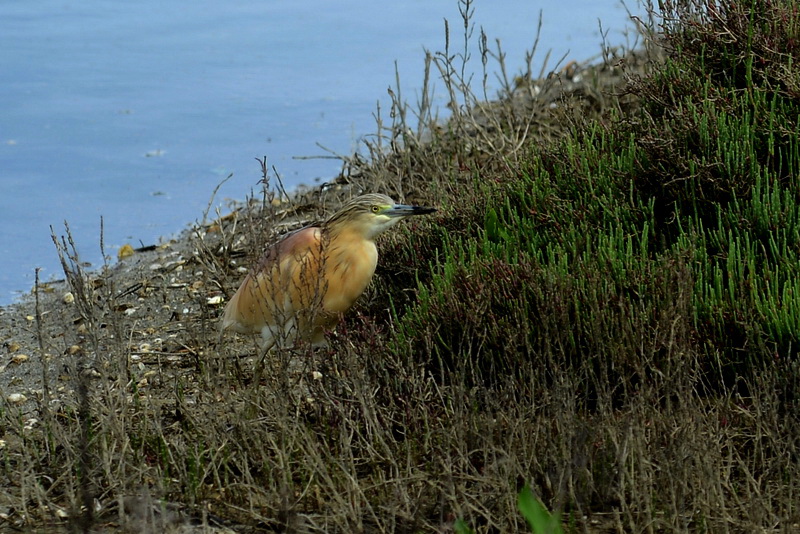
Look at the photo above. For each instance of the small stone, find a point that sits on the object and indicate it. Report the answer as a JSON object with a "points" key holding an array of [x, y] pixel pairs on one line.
{"points": [[68, 298], [82, 330], [213, 301], [30, 318], [16, 398], [13, 346], [19, 358], [316, 375], [74, 349], [125, 251], [144, 347]]}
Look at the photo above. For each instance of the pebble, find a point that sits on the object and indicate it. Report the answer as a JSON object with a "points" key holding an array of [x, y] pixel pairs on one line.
{"points": [[125, 251], [19, 358], [16, 398], [68, 298], [214, 300]]}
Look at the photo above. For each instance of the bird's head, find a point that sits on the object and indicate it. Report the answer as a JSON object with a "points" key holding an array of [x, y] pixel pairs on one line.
{"points": [[372, 214]]}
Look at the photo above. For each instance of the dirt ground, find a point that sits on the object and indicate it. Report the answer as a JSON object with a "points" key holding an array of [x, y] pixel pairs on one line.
{"points": [[162, 296]]}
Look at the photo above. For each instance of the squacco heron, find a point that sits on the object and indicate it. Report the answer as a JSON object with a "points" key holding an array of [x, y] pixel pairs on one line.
{"points": [[305, 281]]}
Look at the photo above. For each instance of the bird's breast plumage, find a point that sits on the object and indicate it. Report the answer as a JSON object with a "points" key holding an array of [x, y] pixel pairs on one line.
{"points": [[349, 268]]}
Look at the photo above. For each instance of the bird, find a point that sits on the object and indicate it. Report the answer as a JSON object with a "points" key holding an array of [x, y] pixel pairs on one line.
{"points": [[305, 282]]}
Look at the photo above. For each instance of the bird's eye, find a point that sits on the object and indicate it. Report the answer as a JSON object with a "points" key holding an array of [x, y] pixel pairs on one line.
{"points": [[376, 209]]}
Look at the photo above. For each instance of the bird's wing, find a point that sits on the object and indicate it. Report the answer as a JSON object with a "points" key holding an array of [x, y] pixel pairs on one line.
{"points": [[292, 245], [276, 282]]}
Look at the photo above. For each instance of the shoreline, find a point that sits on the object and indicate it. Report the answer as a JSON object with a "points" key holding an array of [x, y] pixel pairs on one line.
{"points": [[149, 320], [171, 259]]}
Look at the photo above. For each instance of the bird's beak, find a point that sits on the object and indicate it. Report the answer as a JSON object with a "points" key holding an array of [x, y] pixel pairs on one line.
{"points": [[402, 210]]}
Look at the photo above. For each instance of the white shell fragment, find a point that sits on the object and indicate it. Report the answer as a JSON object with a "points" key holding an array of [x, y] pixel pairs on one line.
{"points": [[16, 398]]}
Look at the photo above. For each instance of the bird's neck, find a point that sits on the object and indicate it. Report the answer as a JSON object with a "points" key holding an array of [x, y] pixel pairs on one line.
{"points": [[335, 231]]}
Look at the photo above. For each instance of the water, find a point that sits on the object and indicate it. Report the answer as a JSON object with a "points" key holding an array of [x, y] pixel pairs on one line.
{"points": [[135, 111]]}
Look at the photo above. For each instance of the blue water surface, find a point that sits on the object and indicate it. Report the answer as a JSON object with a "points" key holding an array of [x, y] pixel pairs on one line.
{"points": [[135, 111]]}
